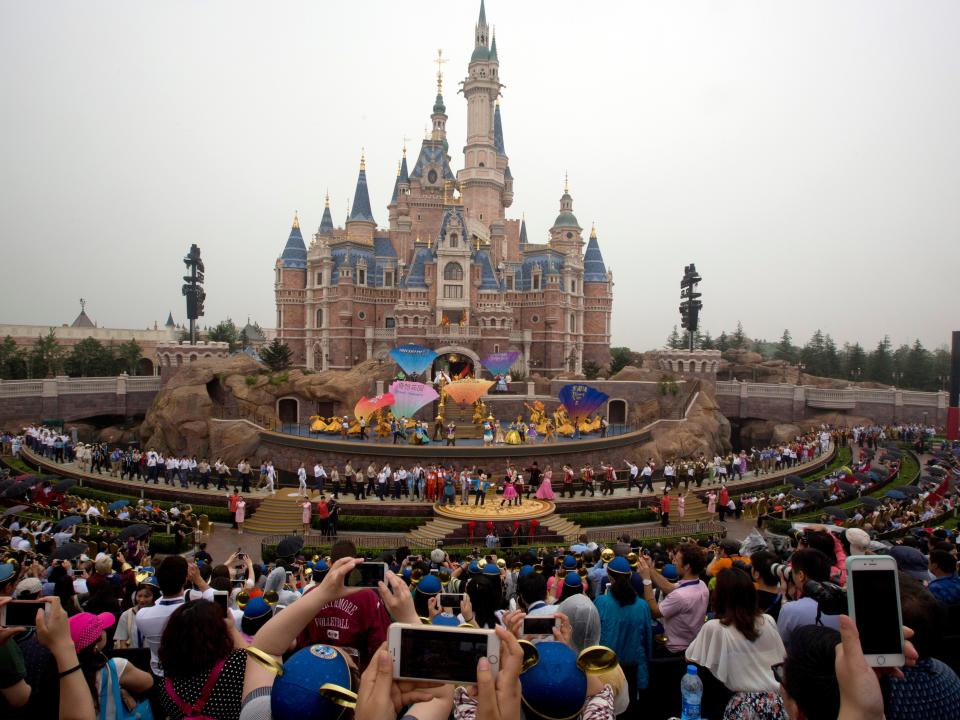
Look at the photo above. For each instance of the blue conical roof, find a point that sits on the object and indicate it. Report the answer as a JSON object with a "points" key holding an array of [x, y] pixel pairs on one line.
{"points": [[498, 132], [493, 48], [594, 269], [361, 199], [294, 253], [483, 15], [404, 177], [326, 222], [523, 232], [169, 322]]}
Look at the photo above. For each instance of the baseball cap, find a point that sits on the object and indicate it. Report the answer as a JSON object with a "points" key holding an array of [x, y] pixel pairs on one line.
{"points": [[859, 540], [29, 586], [911, 561]]}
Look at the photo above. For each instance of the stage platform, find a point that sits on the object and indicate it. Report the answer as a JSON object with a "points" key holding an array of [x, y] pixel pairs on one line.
{"points": [[493, 510]]}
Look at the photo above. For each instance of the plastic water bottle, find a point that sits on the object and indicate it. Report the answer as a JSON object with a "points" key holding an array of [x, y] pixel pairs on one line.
{"points": [[691, 691]]}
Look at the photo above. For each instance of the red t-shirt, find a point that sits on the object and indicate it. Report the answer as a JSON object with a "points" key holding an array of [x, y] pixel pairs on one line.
{"points": [[323, 511], [665, 503], [359, 621]]}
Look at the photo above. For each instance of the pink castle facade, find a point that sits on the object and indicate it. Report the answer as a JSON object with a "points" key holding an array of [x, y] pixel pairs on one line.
{"points": [[451, 271]]}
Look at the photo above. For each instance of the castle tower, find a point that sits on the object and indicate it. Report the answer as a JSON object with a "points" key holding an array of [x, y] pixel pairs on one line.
{"points": [[360, 224], [326, 222], [482, 182], [565, 235], [598, 304], [289, 289]]}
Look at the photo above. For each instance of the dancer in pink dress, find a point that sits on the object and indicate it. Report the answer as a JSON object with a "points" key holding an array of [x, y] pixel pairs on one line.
{"points": [[509, 493], [240, 515], [711, 502], [545, 491]]}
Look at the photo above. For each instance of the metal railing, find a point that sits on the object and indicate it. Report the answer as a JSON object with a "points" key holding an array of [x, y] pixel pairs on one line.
{"points": [[20, 388]]}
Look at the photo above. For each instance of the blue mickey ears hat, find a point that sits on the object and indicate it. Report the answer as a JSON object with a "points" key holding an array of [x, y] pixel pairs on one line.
{"points": [[474, 568], [7, 571], [573, 579], [429, 585], [554, 687], [315, 683], [525, 570], [670, 572], [491, 569], [619, 565], [445, 620], [569, 562]]}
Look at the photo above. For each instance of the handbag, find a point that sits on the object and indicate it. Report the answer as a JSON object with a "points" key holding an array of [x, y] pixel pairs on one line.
{"points": [[141, 712]]}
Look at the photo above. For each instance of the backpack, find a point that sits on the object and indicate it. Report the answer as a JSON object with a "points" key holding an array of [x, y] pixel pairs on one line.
{"points": [[195, 711]]}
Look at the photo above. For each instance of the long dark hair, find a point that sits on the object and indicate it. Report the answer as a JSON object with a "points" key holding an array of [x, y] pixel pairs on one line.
{"points": [[64, 590], [91, 661], [735, 602], [194, 640], [621, 589], [484, 594]]}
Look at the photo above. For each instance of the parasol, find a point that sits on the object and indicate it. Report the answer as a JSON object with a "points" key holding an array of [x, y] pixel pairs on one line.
{"points": [[14, 510], [20, 489], [467, 392], [795, 480], [846, 488], [136, 531], [68, 521], [289, 546], [365, 406], [836, 512], [64, 485], [909, 490], [69, 551], [117, 504], [895, 495], [870, 502]]}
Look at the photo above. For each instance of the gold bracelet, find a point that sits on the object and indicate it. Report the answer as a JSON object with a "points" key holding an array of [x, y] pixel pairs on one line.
{"points": [[265, 659]]}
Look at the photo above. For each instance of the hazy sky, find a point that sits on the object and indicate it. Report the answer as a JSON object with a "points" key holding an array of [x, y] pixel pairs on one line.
{"points": [[805, 155]]}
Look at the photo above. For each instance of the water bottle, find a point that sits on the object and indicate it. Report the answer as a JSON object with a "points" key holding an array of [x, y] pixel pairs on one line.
{"points": [[691, 691]]}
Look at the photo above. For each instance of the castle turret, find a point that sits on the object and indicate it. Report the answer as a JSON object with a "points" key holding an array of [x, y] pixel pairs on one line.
{"points": [[565, 235], [360, 224], [598, 304], [289, 287], [326, 222]]}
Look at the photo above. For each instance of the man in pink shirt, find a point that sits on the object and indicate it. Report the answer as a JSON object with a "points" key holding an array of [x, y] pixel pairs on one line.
{"points": [[683, 606]]}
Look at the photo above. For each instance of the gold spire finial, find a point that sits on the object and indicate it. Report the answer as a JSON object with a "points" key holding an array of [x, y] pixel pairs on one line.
{"points": [[593, 231], [405, 141], [417, 241], [363, 159], [566, 184], [398, 168], [296, 220], [326, 199], [439, 61]]}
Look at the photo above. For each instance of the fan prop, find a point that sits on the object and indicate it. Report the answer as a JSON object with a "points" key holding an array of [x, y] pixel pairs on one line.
{"points": [[365, 407], [408, 397], [581, 400], [500, 363], [467, 392], [413, 359]]}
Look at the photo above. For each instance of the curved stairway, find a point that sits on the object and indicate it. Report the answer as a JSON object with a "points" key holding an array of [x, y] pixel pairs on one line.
{"points": [[276, 515]]}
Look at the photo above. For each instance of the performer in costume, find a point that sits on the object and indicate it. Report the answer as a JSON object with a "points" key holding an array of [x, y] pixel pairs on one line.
{"points": [[513, 435]]}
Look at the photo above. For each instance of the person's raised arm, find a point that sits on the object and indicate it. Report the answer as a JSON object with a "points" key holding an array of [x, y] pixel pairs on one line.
{"points": [[53, 631]]}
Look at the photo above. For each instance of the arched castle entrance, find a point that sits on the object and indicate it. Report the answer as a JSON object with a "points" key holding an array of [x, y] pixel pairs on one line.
{"points": [[456, 361]]}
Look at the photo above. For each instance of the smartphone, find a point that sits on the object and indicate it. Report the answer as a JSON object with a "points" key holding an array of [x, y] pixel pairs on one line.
{"points": [[367, 574], [873, 602], [441, 654], [413, 558], [539, 624], [20, 613], [221, 597], [451, 600]]}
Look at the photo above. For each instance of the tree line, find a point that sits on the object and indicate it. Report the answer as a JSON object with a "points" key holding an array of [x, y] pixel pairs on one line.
{"points": [[46, 357]]}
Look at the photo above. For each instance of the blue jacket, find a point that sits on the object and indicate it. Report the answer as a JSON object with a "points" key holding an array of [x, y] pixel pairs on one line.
{"points": [[627, 631]]}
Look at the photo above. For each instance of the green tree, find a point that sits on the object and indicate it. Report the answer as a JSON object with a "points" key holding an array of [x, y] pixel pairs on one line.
{"points": [[832, 363], [13, 364], [591, 371], [739, 339], [46, 357], [243, 340], [89, 358], [723, 342], [940, 368], [225, 331], [674, 341], [854, 362], [917, 373], [127, 357], [620, 357], [277, 355], [786, 350], [880, 363], [706, 342], [813, 354]]}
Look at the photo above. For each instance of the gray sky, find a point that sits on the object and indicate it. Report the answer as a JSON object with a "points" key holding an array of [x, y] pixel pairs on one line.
{"points": [[805, 155]]}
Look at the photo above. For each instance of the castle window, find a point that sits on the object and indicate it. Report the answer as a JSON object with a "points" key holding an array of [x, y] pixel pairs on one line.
{"points": [[454, 292], [535, 281], [569, 235], [362, 315], [573, 323], [361, 276], [453, 271], [535, 319], [320, 318], [319, 279], [503, 322], [573, 286], [496, 347], [453, 240], [509, 280], [388, 278], [389, 322]]}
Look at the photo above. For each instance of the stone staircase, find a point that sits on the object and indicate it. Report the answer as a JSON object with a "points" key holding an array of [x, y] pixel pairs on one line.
{"points": [[696, 509], [463, 417], [435, 529], [559, 525], [276, 515], [553, 528]]}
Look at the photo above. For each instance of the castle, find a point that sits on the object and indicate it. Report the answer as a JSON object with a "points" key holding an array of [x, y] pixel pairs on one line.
{"points": [[452, 272]]}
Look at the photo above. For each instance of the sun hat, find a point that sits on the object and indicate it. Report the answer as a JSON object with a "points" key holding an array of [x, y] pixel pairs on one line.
{"points": [[85, 628]]}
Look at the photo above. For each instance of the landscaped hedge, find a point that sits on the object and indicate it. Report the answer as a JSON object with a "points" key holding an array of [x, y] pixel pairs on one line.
{"points": [[602, 518], [18, 466], [360, 523]]}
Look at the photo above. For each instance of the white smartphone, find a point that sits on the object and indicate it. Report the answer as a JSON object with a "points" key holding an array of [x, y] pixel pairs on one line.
{"points": [[873, 602], [539, 624], [441, 654]]}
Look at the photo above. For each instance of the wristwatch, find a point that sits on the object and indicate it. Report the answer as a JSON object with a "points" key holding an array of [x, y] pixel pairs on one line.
{"points": [[648, 582]]}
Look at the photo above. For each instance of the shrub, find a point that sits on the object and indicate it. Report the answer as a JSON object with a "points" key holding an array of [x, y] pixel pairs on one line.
{"points": [[611, 517], [215, 513], [250, 380], [360, 523], [279, 378]]}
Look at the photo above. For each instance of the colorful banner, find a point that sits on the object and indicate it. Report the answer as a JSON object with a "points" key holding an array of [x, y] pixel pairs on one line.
{"points": [[467, 392], [408, 397], [580, 400], [500, 363], [365, 407], [413, 359]]}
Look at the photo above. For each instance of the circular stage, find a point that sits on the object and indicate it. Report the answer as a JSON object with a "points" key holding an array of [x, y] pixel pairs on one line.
{"points": [[492, 511]]}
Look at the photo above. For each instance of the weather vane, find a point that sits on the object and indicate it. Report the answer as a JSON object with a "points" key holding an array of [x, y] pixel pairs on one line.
{"points": [[439, 61], [83, 305]]}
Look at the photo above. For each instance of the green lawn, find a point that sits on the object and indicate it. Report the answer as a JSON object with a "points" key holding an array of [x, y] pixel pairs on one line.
{"points": [[842, 457]]}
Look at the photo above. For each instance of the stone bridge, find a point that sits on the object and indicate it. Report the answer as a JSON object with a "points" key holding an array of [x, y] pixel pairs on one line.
{"points": [[72, 399], [792, 403]]}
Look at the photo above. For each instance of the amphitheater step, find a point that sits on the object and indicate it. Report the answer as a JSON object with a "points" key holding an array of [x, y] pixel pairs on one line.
{"points": [[276, 515]]}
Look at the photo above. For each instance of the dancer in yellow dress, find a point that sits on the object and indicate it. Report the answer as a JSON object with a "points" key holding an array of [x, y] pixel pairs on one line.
{"points": [[317, 424], [562, 423], [382, 429], [334, 425], [513, 435]]}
